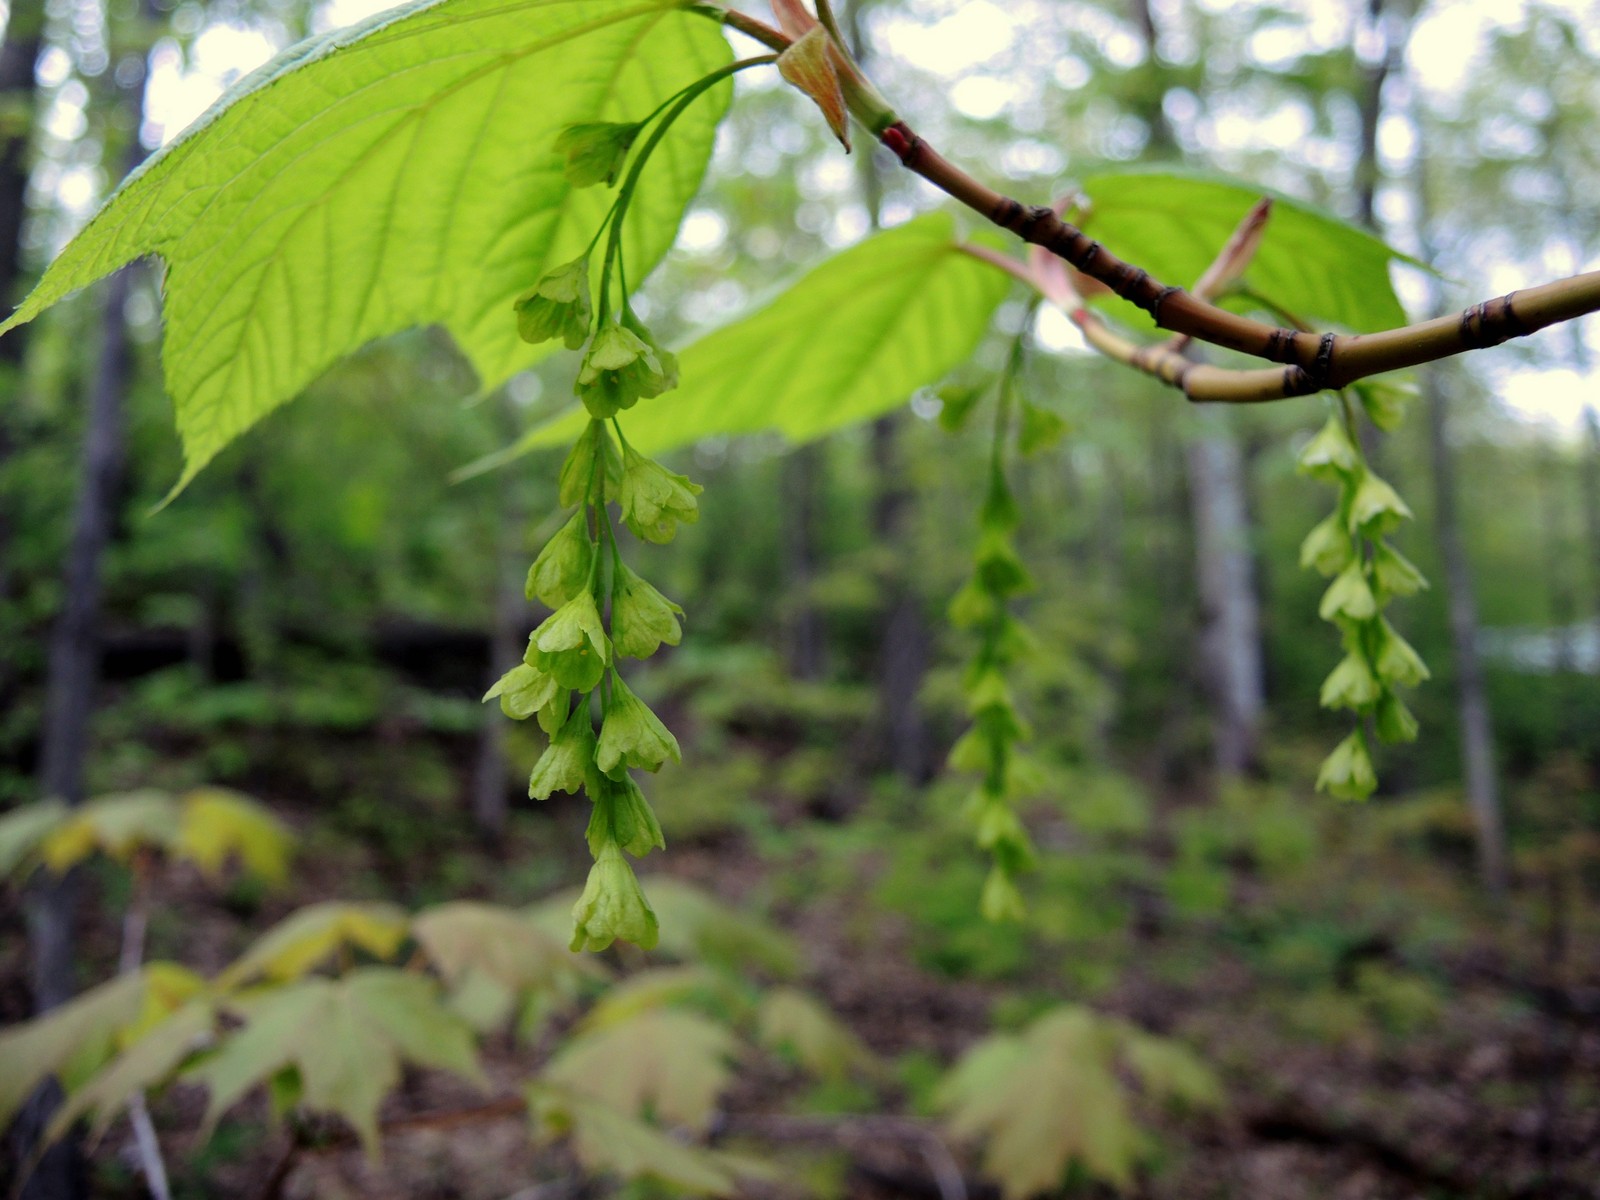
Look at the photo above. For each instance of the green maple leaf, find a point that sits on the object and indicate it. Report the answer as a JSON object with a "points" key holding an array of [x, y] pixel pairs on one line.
{"points": [[345, 1039], [118, 826], [664, 987], [506, 945], [849, 341], [671, 1064], [608, 1141], [218, 824], [696, 925], [1042, 1100], [1169, 1071], [24, 830], [146, 1063], [396, 174], [308, 936], [793, 1021], [76, 1039], [491, 956]]}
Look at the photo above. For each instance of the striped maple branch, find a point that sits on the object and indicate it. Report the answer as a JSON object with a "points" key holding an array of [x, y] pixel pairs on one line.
{"points": [[1166, 361], [1309, 362]]}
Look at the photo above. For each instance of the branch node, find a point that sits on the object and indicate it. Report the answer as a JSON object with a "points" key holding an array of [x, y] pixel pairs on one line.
{"points": [[1322, 366], [1162, 297], [1280, 348], [1031, 219], [1491, 322]]}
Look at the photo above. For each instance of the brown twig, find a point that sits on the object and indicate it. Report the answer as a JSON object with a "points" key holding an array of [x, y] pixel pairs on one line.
{"points": [[1310, 362]]}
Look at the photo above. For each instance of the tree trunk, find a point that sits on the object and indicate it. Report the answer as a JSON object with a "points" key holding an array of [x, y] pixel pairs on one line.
{"points": [[1478, 771], [18, 97], [19, 55], [805, 649], [1230, 627], [1230, 621], [905, 644], [72, 673], [1591, 511], [1477, 734], [489, 807]]}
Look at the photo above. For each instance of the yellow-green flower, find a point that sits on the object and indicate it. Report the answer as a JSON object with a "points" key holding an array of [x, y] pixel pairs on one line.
{"points": [[571, 644], [655, 501], [557, 306], [632, 735], [641, 617], [613, 906], [618, 371], [562, 569], [596, 150]]}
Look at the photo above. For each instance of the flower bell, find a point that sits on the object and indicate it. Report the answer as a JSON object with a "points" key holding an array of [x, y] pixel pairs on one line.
{"points": [[1347, 773], [1351, 684], [522, 691], [566, 762], [557, 306], [641, 617], [632, 735], [562, 569], [596, 150], [622, 817], [571, 645], [613, 906], [619, 370], [654, 500]]}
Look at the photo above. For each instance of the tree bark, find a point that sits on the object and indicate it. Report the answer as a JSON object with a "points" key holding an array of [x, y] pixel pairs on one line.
{"points": [[19, 55], [1479, 775], [1477, 733], [1232, 675], [1591, 510], [804, 642], [1230, 618], [72, 673], [489, 777], [905, 644]]}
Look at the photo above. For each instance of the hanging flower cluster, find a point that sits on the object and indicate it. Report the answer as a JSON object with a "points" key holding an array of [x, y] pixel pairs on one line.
{"points": [[602, 610], [1351, 548], [991, 748]]}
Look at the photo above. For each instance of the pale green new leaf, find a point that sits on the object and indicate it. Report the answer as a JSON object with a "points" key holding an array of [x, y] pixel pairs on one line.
{"points": [[346, 1038], [662, 987], [607, 1141], [1042, 1100], [800, 1024], [145, 1064], [1169, 1071], [79, 1036], [118, 826], [671, 1063], [503, 943], [24, 830], [396, 174], [848, 342], [1316, 266], [218, 824], [305, 938], [695, 924]]}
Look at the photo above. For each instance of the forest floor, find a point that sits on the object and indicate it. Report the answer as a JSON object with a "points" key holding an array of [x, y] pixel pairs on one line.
{"points": [[1382, 1031]]}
